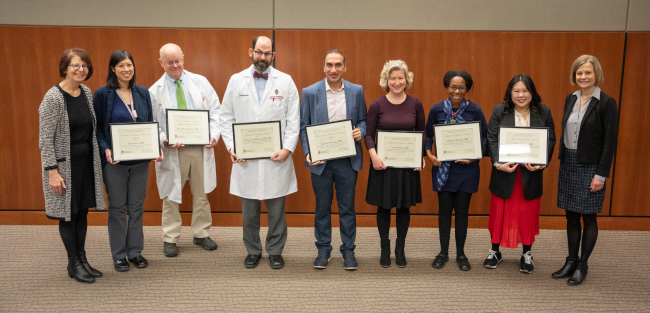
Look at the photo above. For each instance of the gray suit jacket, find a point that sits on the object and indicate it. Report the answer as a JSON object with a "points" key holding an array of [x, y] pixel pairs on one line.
{"points": [[54, 142], [313, 110]]}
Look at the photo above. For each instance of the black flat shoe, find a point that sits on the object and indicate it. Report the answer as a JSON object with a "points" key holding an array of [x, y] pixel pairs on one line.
{"points": [[252, 260], [566, 270], [76, 271], [139, 261], [440, 261], [276, 262], [400, 258], [93, 272], [579, 274], [121, 265], [463, 263]]}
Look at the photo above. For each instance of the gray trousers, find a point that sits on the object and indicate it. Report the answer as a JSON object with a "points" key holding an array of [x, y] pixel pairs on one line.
{"points": [[277, 234], [126, 187]]}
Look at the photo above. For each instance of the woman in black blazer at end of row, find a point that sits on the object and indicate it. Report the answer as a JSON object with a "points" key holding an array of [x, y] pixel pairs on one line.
{"points": [[587, 146]]}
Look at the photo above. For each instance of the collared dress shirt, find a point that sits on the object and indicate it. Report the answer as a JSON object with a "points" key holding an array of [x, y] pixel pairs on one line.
{"points": [[171, 87], [336, 105], [260, 84]]}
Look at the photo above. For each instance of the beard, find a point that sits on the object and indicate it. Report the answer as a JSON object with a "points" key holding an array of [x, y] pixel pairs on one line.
{"points": [[261, 65]]}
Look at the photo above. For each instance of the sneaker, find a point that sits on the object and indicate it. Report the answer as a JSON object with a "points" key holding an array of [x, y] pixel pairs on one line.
{"points": [[527, 265], [321, 260], [169, 248], [493, 258], [349, 261], [207, 243]]}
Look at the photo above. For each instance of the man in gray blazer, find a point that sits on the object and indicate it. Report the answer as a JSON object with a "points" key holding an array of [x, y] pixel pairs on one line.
{"points": [[329, 100]]}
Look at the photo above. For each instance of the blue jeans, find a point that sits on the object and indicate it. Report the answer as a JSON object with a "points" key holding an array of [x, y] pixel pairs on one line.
{"points": [[337, 174]]}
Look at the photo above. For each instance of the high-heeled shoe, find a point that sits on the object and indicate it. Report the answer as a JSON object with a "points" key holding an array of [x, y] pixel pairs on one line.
{"points": [[579, 274], [384, 261], [76, 271], [84, 262], [566, 270]]}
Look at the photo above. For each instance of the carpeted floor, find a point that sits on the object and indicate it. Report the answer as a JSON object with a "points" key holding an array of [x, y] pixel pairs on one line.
{"points": [[34, 278]]}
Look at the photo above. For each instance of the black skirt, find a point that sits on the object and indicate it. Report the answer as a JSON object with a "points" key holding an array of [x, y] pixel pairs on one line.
{"points": [[393, 188], [574, 186]]}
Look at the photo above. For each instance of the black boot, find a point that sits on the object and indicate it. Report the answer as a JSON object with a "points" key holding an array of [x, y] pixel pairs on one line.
{"points": [[93, 272], [579, 274], [567, 269], [384, 261], [76, 271], [400, 258]]}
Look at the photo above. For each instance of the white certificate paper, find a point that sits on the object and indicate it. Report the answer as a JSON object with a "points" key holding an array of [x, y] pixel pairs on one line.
{"points": [[257, 140], [135, 141], [330, 140], [523, 145], [400, 149], [458, 141], [189, 127]]}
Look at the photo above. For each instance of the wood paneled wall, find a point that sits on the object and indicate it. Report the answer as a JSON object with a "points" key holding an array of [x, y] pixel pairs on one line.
{"points": [[31, 56]]}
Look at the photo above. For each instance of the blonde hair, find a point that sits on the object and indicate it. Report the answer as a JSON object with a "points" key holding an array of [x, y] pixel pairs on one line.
{"points": [[391, 66], [583, 59]]}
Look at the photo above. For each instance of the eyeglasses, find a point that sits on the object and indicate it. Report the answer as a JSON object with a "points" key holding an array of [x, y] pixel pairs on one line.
{"points": [[453, 88], [76, 67], [260, 53]]}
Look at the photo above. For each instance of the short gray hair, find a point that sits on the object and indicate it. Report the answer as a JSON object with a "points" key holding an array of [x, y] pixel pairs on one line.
{"points": [[391, 66]]}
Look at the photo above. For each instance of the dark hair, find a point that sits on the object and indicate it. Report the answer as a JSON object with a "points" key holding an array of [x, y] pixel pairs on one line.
{"points": [[334, 51], [535, 103], [462, 74], [272, 43], [67, 57], [117, 57]]}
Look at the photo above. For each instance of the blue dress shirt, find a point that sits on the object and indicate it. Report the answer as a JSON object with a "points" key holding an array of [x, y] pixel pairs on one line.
{"points": [[171, 86]]}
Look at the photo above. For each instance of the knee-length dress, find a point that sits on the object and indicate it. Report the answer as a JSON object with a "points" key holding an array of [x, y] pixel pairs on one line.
{"points": [[393, 187]]}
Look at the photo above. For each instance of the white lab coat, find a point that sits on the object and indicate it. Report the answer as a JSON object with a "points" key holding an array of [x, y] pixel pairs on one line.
{"points": [[262, 179], [168, 172]]}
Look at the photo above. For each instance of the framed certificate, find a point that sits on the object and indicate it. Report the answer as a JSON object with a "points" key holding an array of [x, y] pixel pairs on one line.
{"points": [[523, 145], [257, 140], [458, 141], [400, 149], [189, 127], [135, 141], [329, 141]]}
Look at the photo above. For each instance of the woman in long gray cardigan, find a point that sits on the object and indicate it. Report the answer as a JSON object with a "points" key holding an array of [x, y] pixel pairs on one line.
{"points": [[72, 174]]}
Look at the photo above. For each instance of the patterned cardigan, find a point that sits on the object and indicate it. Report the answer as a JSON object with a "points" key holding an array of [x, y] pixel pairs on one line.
{"points": [[54, 142]]}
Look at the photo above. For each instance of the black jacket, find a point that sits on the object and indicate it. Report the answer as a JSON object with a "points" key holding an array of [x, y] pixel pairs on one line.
{"points": [[598, 132], [502, 183]]}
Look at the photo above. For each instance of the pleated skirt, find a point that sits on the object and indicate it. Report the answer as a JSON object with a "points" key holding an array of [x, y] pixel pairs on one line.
{"points": [[515, 220], [394, 188]]}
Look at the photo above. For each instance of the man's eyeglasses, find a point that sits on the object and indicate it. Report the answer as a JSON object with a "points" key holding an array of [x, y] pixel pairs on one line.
{"points": [[266, 55]]}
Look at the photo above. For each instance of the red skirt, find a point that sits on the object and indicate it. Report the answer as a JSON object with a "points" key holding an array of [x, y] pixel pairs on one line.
{"points": [[514, 220]]}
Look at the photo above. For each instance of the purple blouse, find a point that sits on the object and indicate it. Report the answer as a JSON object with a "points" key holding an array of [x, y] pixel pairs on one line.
{"points": [[383, 115]]}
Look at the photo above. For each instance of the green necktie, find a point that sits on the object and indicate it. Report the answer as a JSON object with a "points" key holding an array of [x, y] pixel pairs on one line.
{"points": [[180, 96]]}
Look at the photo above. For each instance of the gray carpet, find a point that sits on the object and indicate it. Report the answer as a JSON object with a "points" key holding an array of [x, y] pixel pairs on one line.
{"points": [[34, 278]]}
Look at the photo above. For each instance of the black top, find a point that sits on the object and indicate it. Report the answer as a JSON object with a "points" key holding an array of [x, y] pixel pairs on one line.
{"points": [[81, 153]]}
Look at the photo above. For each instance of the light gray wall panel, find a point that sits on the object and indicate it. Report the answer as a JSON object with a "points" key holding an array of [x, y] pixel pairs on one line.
{"points": [[639, 19], [479, 15], [140, 13]]}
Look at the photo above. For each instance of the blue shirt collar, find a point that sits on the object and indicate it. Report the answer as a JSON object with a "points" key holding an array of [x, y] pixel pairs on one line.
{"points": [[253, 70], [171, 81]]}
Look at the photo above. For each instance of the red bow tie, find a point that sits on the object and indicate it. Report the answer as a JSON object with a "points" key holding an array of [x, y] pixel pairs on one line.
{"points": [[259, 75]]}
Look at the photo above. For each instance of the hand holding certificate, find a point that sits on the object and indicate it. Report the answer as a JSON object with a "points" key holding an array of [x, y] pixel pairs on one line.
{"points": [[257, 140], [330, 141], [400, 149], [135, 141], [458, 141], [523, 145]]}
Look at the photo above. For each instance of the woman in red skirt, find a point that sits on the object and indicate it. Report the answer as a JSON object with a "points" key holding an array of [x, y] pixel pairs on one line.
{"points": [[516, 188]]}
